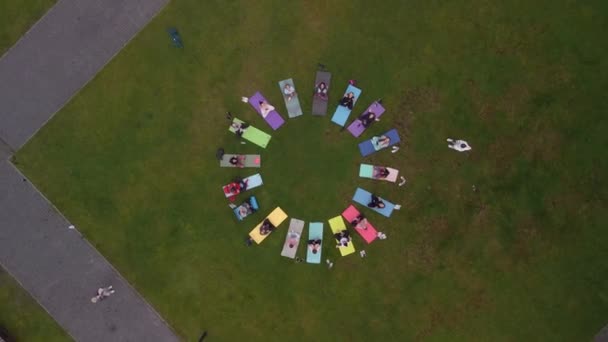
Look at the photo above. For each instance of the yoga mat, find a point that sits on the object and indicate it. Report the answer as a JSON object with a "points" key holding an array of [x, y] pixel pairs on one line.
{"points": [[295, 228], [251, 160], [276, 217], [315, 232], [252, 182], [356, 128], [368, 234], [367, 147], [367, 171], [253, 134], [273, 118], [342, 113], [254, 205], [319, 103], [337, 225], [293, 105], [364, 197]]}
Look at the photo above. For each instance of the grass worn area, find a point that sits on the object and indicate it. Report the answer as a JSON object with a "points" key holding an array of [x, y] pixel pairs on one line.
{"points": [[16, 17], [22, 317], [131, 161]]}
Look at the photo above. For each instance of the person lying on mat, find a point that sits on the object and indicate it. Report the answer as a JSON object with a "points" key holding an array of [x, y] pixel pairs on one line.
{"points": [[238, 161], [360, 222], [265, 108], [239, 128], [293, 239], [314, 245], [381, 172], [348, 100], [242, 183], [245, 209], [376, 202], [266, 228], [368, 118], [289, 91], [321, 90], [234, 188], [381, 142], [343, 238]]}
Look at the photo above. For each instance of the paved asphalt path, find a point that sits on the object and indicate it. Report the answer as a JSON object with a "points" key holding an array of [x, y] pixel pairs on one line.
{"points": [[55, 264]]}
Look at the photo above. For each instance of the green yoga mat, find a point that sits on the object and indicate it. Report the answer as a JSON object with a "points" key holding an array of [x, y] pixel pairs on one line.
{"points": [[253, 134]]}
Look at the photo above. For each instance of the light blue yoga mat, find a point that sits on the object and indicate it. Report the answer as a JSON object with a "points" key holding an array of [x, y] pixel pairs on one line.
{"points": [[363, 197], [293, 105], [342, 113], [315, 231]]}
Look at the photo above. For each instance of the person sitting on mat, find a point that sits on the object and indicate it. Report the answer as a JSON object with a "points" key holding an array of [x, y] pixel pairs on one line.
{"points": [[348, 100], [376, 202], [360, 222], [293, 239], [321, 90], [381, 172], [265, 108], [239, 128], [289, 91], [343, 238], [314, 245], [238, 161], [368, 118], [381, 142], [267, 227]]}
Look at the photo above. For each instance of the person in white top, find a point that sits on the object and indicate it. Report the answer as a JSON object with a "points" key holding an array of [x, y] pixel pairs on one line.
{"points": [[458, 145], [265, 108], [289, 91]]}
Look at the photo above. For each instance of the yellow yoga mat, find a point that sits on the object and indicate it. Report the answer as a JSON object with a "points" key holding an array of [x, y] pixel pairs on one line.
{"points": [[276, 217], [337, 225]]}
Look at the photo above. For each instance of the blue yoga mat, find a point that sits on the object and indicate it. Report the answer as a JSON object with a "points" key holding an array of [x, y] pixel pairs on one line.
{"points": [[367, 147], [315, 231], [363, 197], [342, 113]]}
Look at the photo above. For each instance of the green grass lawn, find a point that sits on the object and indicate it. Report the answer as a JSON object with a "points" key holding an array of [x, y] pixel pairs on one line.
{"points": [[22, 317], [16, 17], [131, 162]]}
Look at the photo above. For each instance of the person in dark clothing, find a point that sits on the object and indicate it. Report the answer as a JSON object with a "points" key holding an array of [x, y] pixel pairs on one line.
{"points": [[239, 128], [376, 202], [321, 90], [368, 118], [267, 227], [343, 238], [237, 161], [348, 100], [314, 245], [381, 172]]}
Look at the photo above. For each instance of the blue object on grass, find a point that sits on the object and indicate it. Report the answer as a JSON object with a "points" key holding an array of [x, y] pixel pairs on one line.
{"points": [[175, 37]]}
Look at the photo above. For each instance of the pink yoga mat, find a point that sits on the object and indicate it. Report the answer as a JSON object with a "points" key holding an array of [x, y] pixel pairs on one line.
{"points": [[368, 234]]}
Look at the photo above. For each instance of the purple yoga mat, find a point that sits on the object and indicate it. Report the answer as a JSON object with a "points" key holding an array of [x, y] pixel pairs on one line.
{"points": [[273, 118], [356, 128]]}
